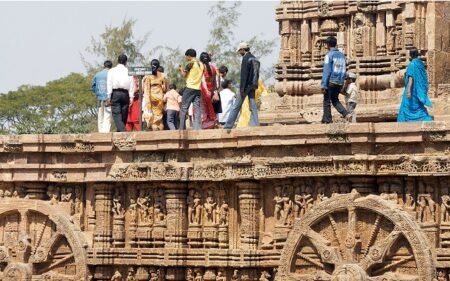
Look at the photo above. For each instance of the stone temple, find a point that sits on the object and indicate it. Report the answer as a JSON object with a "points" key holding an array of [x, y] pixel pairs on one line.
{"points": [[360, 201]]}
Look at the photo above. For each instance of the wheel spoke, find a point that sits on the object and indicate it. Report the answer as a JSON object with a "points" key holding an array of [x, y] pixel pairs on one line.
{"points": [[310, 260], [41, 234], [328, 253], [373, 234], [336, 236], [378, 252], [61, 261], [394, 276], [394, 264], [352, 242]]}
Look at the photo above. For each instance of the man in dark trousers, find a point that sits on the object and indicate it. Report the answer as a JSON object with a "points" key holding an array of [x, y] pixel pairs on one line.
{"points": [[333, 78], [248, 85], [118, 84]]}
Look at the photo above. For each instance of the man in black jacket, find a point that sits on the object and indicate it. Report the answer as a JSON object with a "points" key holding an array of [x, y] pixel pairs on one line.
{"points": [[249, 84]]}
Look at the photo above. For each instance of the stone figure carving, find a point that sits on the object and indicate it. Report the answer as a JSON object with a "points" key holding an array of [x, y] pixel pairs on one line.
{"points": [[445, 208], [358, 23], [265, 276], [117, 276], [298, 201], [210, 208], [390, 39], [441, 276], [117, 207], [131, 275], [410, 202], [236, 276], [197, 208], [320, 193], [132, 209], [198, 276], [278, 212], [287, 205], [156, 275], [53, 194], [425, 203], [78, 200], [189, 275], [159, 207], [66, 194], [190, 205], [223, 211], [303, 200], [220, 276], [143, 203]]}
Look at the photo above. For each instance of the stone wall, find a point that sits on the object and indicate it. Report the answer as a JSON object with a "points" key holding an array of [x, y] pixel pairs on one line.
{"points": [[362, 201], [376, 37]]}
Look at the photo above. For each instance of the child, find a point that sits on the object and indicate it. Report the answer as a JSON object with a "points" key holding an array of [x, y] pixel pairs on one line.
{"points": [[172, 99], [351, 94]]}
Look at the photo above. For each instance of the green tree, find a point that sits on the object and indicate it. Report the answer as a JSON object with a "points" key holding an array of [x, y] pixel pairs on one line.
{"points": [[113, 42], [222, 43], [62, 106]]}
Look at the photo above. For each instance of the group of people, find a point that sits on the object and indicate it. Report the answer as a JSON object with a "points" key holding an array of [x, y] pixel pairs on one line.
{"points": [[336, 80], [207, 99]]}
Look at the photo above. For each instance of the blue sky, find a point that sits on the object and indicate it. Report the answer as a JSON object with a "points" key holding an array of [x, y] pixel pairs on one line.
{"points": [[42, 41]]}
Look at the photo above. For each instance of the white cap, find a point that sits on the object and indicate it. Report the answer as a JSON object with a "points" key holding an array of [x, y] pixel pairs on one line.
{"points": [[243, 45], [351, 75]]}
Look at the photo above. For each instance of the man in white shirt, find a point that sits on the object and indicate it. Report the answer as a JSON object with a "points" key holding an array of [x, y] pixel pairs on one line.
{"points": [[118, 85], [227, 98]]}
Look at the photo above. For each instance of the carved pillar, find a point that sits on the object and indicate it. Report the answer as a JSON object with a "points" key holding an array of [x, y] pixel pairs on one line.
{"points": [[249, 195], [249, 274], [305, 42], [285, 33], [317, 43], [35, 190], [175, 274], [175, 236], [365, 186], [409, 16], [103, 209], [390, 34], [381, 34]]}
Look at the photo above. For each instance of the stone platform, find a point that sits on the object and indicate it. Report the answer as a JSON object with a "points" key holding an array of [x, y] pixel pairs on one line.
{"points": [[365, 201]]}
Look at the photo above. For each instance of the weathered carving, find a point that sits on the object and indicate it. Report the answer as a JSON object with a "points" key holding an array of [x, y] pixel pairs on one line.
{"points": [[125, 142], [314, 233], [375, 36]]}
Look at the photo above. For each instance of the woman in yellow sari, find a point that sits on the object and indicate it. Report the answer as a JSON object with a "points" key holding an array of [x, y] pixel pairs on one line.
{"points": [[244, 118], [153, 105]]}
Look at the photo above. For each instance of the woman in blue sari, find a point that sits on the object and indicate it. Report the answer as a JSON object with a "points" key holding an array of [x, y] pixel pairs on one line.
{"points": [[415, 96]]}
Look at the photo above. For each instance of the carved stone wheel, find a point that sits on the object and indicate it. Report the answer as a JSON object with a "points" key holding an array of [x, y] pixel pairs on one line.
{"points": [[349, 237], [38, 242]]}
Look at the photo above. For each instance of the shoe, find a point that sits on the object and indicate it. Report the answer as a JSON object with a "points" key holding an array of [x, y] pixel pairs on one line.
{"points": [[348, 117]]}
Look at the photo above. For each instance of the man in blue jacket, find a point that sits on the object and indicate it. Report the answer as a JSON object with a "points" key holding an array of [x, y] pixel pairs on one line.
{"points": [[100, 90], [334, 69]]}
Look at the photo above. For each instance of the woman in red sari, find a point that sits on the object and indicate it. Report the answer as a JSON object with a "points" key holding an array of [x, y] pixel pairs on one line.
{"points": [[133, 109], [209, 93]]}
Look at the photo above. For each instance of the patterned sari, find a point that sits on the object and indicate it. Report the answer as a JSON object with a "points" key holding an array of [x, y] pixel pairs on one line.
{"points": [[153, 105]]}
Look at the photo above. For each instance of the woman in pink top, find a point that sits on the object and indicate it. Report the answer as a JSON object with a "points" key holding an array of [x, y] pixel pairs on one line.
{"points": [[172, 99]]}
